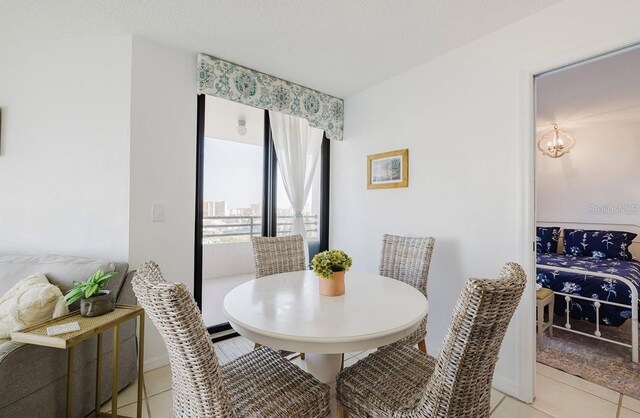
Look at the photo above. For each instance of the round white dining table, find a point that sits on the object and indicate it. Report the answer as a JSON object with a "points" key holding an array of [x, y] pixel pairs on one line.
{"points": [[285, 311]]}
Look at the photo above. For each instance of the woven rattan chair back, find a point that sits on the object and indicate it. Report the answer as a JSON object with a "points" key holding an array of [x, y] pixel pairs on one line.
{"points": [[196, 378], [150, 272], [407, 259], [275, 255], [461, 382]]}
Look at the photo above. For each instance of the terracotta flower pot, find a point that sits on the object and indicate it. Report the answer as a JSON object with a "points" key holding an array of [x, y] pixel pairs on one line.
{"points": [[334, 286]]}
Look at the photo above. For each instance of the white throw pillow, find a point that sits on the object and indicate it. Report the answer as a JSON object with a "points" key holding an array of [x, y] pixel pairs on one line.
{"points": [[28, 302]]}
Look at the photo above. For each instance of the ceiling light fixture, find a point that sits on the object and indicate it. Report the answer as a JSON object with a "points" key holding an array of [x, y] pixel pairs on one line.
{"points": [[242, 127], [556, 143]]}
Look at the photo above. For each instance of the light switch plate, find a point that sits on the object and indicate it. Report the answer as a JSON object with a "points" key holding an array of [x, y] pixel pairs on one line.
{"points": [[157, 213]]}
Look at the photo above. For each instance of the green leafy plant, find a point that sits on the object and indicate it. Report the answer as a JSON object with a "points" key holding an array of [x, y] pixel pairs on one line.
{"points": [[328, 262], [88, 288]]}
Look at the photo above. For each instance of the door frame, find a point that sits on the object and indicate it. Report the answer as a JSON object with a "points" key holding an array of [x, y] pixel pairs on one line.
{"points": [[526, 219]]}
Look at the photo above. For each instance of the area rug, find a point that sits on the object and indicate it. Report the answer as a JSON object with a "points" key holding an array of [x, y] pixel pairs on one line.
{"points": [[603, 363]]}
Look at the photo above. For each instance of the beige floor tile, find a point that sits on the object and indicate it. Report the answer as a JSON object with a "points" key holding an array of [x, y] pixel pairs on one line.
{"points": [[106, 407], [126, 397], [300, 363], [631, 403], [161, 405], [158, 380], [131, 411], [496, 397], [365, 353], [351, 361], [349, 355], [511, 408], [563, 401], [627, 413], [578, 382]]}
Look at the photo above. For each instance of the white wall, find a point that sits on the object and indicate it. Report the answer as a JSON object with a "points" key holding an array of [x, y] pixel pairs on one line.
{"points": [[64, 152], [461, 116], [163, 166], [598, 180]]}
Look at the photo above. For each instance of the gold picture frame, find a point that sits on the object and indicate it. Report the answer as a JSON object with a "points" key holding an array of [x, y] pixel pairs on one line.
{"points": [[388, 170]]}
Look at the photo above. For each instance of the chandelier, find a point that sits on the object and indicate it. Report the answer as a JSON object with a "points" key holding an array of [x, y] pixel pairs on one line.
{"points": [[556, 143]]}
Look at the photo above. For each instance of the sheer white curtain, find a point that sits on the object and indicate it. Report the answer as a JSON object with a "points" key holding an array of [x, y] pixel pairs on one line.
{"points": [[297, 149]]}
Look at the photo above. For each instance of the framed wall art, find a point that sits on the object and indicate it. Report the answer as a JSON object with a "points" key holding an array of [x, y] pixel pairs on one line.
{"points": [[388, 170]]}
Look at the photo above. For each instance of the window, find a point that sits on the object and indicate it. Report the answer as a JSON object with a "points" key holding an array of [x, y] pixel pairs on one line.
{"points": [[232, 208]]}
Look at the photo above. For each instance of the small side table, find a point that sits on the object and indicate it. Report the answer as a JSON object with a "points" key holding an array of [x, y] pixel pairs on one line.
{"points": [[90, 327], [544, 297]]}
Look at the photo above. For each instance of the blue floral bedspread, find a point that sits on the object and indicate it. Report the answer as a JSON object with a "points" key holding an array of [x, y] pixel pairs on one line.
{"points": [[590, 286]]}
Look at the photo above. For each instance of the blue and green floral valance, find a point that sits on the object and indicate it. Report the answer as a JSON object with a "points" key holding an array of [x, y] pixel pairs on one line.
{"points": [[233, 82]]}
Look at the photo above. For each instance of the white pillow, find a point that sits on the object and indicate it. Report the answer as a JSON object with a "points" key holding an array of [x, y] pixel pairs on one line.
{"points": [[28, 302]]}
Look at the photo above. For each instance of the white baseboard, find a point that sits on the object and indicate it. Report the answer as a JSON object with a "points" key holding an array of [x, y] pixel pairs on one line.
{"points": [[156, 362]]}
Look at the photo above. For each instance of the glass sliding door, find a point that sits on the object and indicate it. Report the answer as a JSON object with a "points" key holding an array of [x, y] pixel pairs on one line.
{"points": [[240, 194], [232, 200]]}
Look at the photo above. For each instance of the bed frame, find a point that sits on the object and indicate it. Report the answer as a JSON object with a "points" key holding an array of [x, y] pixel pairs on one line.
{"points": [[634, 249]]}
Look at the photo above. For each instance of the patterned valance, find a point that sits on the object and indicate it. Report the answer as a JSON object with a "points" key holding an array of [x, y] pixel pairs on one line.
{"points": [[233, 82]]}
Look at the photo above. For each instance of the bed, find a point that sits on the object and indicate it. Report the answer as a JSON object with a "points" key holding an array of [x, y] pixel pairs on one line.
{"points": [[590, 285]]}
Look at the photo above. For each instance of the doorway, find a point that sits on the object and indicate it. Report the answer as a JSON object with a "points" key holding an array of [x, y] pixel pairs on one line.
{"points": [[586, 125]]}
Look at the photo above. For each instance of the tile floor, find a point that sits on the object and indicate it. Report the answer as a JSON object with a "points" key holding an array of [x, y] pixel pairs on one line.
{"points": [[558, 394]]}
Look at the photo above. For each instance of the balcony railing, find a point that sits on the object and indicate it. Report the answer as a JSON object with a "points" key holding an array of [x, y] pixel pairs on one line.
{"points": [[224, 229]]}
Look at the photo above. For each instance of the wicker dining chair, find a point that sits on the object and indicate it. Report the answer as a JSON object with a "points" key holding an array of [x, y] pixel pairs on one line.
{"points": [[401, 382], [258, 384], [407, 259], [274, 255]]}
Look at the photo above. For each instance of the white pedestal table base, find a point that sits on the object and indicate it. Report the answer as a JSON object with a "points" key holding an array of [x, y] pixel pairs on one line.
{"points": [[324, 367]]}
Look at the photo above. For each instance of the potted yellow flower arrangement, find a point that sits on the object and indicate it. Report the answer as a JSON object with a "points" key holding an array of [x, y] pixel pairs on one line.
{"points": [[330, 267]]}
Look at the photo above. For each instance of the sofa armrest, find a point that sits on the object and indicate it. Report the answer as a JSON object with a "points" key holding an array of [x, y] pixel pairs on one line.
{"points": [[126, 295]]}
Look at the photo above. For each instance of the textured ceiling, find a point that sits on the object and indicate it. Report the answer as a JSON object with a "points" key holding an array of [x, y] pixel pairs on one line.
{"points": [[603, 89], [336, 46]]}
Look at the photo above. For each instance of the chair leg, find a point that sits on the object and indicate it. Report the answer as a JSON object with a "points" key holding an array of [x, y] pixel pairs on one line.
{"points": [[540, 309], [256, 346], [302, 356], [551, 310], [342, 363], [422, 345], [341, 412]]}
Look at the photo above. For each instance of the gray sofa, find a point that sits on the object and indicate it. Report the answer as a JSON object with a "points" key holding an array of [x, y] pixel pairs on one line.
{"points": [[33, 378]]}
